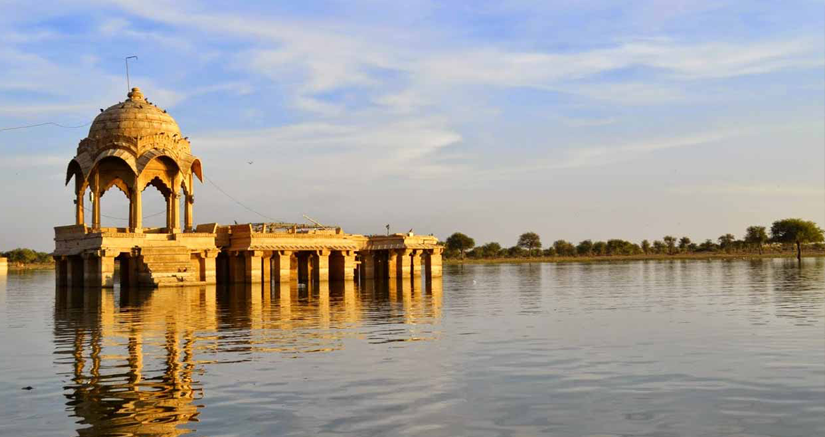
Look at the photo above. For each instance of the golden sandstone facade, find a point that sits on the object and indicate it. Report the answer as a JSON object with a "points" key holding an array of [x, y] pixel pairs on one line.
{"points": [[135, 144]]}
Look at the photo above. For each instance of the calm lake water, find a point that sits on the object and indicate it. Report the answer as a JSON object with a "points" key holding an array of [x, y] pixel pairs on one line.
{"points": [[665, 348]]}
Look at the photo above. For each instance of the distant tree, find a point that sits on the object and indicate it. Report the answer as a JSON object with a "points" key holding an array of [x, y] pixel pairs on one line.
{"points": [[529, 241], [620, 247], [756, 236], [798, 231], [600, 248], [563, 248], [516, 252], [726, 242], [684, 244], [670, 242], [659, 247], [550, 251], [707, 246], [490, 250], [460, 243], [585, 248], [645, 246]]}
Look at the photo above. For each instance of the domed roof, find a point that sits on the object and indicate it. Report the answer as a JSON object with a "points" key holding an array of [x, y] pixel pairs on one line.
{"points": [[135, 117]]}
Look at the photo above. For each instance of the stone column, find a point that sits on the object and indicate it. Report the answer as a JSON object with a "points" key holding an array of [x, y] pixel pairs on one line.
{"points": [[210, 267], [74, 272], [282, 268], [416, 263], [96, 205], [434, 263], [404, 263], [320, 266], [60, 271], [175, 213], [99, 270], [349, 265], [78, 205], [136, 211], [187, 213], [253, 262], [169, 213], [368, 264], [392, 264], [266, 268]]}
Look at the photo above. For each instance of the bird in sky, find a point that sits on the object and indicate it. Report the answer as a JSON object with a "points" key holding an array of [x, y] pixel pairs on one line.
{"points": [[249, 162]]}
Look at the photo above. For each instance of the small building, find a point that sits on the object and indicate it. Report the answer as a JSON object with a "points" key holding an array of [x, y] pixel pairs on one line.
{"points": [[134, 144]]}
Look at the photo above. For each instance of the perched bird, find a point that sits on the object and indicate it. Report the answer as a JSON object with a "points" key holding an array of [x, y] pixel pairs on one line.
{"points": [[236, 222], [101, 109]]}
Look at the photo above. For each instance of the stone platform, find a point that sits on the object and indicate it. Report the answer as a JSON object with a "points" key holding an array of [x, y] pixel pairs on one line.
{"points": [[215, 254]]}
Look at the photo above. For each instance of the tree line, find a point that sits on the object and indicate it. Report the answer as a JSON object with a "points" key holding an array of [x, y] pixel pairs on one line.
{"points": [[782, 234], [26, 256]]}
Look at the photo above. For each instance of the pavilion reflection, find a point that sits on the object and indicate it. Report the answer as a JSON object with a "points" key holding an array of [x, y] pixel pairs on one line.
{"points": [[133, 360]]}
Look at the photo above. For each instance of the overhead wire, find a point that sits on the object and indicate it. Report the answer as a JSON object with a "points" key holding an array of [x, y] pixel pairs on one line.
{"points": [[49, 123]]}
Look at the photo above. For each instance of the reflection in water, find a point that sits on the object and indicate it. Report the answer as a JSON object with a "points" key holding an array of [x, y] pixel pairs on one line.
{"points": [[655, 348], [134, 356]]}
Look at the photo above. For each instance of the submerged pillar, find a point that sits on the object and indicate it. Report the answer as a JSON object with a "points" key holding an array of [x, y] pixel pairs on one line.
{"points": [[404, 263], [349, 265], [266, 268], [99, 269], [433, 260], [320, 266], [253, 261], [368, 265], [282, 266], [392, 264], [415, 261], [210, 270], [61, 275]]}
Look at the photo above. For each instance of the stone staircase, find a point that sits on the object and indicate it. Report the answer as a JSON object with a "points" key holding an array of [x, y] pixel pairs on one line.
{"points": [[165, 264]]}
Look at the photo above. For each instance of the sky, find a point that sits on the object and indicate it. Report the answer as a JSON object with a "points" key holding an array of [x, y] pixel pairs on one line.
{"points": [[571, 119]]}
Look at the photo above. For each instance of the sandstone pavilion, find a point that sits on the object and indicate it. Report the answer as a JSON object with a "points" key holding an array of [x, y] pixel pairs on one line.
{"points": [[133, 145]]}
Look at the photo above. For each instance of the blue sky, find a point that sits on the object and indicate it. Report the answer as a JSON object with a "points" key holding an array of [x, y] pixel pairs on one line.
{"points": [[573, 119]]}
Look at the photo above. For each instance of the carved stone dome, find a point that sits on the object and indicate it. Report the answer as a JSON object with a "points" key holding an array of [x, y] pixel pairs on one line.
{"points": [[135, 117]]}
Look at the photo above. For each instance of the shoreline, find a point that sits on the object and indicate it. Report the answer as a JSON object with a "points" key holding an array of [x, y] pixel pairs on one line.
{"points": [[35, 266], [588, 259]]}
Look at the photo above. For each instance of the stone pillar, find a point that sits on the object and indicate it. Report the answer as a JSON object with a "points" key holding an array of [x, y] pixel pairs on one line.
{"points": [[78, 205], [252, 262], [60, 271], [187, 213], [349, 265], [368, 264], [99, 270], [392, 264], [74, 272], [434, 263], [210, 269], [135, 211], [320, 266], [282, 266], [236, 268], [404, 263], [304, 267], [266, 268], [416, 263], [169, 213], [175, 213], [96, 204]]}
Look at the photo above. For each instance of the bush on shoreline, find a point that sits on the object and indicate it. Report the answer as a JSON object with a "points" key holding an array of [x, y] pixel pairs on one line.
{"points": [[23, 256]]}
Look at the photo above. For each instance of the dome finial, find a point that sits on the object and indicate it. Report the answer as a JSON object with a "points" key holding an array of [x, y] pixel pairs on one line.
{"points": [[135, 94]]}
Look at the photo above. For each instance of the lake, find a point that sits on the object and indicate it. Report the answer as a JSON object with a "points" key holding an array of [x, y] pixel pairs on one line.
{"points": [[646, 348]]}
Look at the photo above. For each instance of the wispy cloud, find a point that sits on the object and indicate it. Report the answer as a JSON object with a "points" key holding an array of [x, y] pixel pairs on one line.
{"points": [[754, 189]]}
